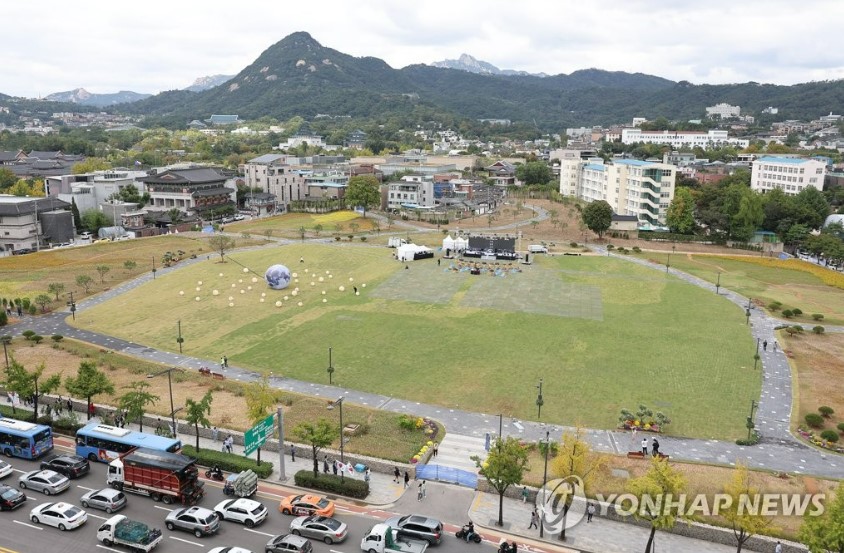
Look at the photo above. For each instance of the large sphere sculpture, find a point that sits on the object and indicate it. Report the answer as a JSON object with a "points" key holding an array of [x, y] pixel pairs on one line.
{"points": [[278, 277]]}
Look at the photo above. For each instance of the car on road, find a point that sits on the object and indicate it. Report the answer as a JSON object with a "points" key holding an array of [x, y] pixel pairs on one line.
{"points": [[5, 469], [72, 466], [234, 549], [417, 526], [288, 543], [306, 504], [246, 511], [11, 498], [63, 516], [47, 482], [330, 530], [197, 520], [106, 499]]}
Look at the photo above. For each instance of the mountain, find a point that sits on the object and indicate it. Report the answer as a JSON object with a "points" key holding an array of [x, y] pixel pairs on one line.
{"points": [[204, 83], [82, 96], [468, 63]]}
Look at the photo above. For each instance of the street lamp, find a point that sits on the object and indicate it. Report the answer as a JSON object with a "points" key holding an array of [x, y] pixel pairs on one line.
{"points": [[756, 355], [330, 368], [544, 483], [6, 340], [718, 284], [170, 388], [72, 305], [747, 312], [331, 405], [153, 267], [180, 339], [539, 400]]}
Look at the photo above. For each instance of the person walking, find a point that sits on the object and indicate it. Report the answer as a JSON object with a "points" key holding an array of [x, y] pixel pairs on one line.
{"points": [[214, 434], [778, 548], [293, 453], [765, 345], [230, 444], [396, 475], [775, 346], [419, 492], [325, 465], [534, 520], [334, 466], [225, 362], [590, 511], [366, 475], [406, 479], [525, 494], [644, 446], [655, 447], [69, 404], [436, 448], [91, 410], [222, 363]]}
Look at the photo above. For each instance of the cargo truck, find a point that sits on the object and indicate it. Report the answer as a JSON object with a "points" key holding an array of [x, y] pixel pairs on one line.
{"points": [[137, 536], [163, 476], [381, 538]]}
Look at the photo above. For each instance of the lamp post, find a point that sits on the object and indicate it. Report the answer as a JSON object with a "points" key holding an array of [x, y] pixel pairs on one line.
{"points": [[747, 312], [718, 284], [330, 368], [544, 483], [170, 388], [331, 405], [750, 424], [756, 355], [72, 305], [180, 339], [153, 268], [667, 262], [539, 400], [6, 340]]}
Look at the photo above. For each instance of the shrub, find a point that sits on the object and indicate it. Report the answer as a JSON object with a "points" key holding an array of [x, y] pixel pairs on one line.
{"points": [[610, 247], [4, 319], [25, 303], [818, 329], [32, 310], [787, 313], [841, 426], [573, 244], [407, 422], [817, 316], [363, 238], [57, 338], [774, 306], [229, 462], [337, 238], [830, 436], [28, 334], [753, 440], [814, 420], [797, 311], [825, 411], [350, 487], [37, 338], [637, 249], [555, 448]]}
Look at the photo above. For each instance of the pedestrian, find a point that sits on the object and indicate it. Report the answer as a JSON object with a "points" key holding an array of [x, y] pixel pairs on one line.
{"points": [[91, 410], [293, 453], [20, 311], [775, 346], [366, 475], [406, 479], [525, 494], [419, 492], [222, 363], [778, 548], [655, 447], [436, 448], [225, 362], [334, 466], [424, 489], [215, 433], [644, 446], [69, 404], [534, 520], [229, 444], [301, 260], [765, 345], [590, 511], [514, 548], [325, 464], [356, 290], [396, 475]]}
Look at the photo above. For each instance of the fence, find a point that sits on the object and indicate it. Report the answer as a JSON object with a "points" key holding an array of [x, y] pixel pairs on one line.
{"points": [[441, 473]]}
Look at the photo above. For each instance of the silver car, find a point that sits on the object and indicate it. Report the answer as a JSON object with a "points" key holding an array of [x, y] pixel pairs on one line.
{"points": [[106, 499], [330, 530], [198, 520], [47, 482]]}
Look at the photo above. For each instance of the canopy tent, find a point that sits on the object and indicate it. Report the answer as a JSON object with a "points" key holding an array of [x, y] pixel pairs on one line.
{"points": [[408, 252], [448, 243], [460, 244]]}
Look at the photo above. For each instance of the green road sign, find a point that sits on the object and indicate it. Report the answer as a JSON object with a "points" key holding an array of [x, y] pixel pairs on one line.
{"points": [[258, 434]]}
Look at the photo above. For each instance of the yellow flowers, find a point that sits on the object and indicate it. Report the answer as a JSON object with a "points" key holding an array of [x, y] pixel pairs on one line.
{"points": [[335, 217], [828, 277]]}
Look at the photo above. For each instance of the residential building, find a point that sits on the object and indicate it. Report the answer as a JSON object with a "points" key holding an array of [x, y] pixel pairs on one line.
{"points": [[195, 190], [410, 191], [26, 224], [723, 111], [680, 159], [10, 158], [789, 174], [502, 173], [681, 139], [276, 174], [414, 163], [631, 187]]}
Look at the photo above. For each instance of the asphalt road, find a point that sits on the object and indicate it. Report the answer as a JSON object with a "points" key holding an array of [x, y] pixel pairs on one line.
{"points": [[19, 535]]}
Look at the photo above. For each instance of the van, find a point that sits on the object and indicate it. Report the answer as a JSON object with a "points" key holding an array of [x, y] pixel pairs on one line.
{"points": [[537, 248]]}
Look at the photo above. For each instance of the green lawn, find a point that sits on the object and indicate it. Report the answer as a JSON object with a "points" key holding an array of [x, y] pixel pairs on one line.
{"points": [[649, 339]]}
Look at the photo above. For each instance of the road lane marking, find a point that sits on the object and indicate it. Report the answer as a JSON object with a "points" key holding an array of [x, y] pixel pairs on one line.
{"points": [[84, 488], [335, 551], [97, 516], [25, 524], [186, 541], [163, 508], [109, 548], [257, 532]]}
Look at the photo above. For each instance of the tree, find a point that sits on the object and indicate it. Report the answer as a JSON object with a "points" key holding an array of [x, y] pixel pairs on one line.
{"points": [[129, 264], [103, 269], [504, 466], [196, 413], [815, 206], [534, 172], [575, 457], [77, 219], [825, 533], [681, 212], [7, 178], [55, 288], [598, 217], [318, 435], [260, 397], [748, 218], [651, 489], [89, 381], [134, 402], [90, 165], [745, 522], [363, 191], [94, 220], [43, 300], [30, 383], [84, 281], [221, 243]]}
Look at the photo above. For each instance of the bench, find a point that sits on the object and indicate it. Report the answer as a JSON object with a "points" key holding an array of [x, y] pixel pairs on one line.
{"points": [[640, 455], [218, 376]]}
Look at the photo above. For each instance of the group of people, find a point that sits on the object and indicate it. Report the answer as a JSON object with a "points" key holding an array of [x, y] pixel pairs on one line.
{"points": [[478, 267], [224, 362], [397, 477], [9, 309], [654, 446]]}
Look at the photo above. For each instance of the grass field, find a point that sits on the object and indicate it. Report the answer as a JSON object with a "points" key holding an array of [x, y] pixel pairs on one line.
{"points": [[288, 225], [654, 340], [792, 287]]}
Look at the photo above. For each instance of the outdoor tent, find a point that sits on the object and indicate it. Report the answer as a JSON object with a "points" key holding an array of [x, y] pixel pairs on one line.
{"points": [[407, 252], [460, 244], [448, 243]]}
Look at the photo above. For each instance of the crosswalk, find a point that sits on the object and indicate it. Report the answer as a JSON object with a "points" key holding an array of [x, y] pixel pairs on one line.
{"points": [[455, 451]]}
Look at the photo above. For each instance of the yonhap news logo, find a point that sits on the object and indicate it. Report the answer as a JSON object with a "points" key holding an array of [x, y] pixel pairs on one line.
{"points": [[552, 499]]}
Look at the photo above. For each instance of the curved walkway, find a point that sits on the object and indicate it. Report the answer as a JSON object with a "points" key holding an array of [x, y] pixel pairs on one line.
{"points": [[779, 450]]}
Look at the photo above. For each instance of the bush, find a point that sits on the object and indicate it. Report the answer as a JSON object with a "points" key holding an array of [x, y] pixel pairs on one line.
{"points": [[57, 338], [830, 436], [610, 247], [814, 420], [33, 310], [818, 329], [363, 238], [350, 487], [542, 446], [26, 304], [825, 411], [787, 313], [637, 249], [774, 306], [817, 316], [4, 319], [754, 439], [797, 311], [229, 462], [573, 244], [841, 426], [37, 338], [28, 334]]}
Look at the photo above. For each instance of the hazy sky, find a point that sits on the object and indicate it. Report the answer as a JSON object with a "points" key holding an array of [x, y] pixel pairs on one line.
{"points": [[108, 45]]}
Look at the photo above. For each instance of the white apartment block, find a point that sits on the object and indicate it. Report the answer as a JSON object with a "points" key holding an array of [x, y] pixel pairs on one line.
{"points": [[682, 139], [276, 174], [632, 187], [416, 192], [724, 111], [789, 174]]}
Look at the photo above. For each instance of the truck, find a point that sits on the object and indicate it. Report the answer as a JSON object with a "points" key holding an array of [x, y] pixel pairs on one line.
{"points": [[163, 476], [395, 242], [137, 536], [382, 538], [243, 484], [538, 248]]}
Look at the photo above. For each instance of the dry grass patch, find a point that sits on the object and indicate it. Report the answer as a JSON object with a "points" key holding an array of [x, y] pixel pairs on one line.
{"points": [[818, 362]]}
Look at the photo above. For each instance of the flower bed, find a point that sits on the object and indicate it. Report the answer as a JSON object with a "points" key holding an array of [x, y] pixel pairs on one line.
{"points": [[637, 425], [813, 439]]}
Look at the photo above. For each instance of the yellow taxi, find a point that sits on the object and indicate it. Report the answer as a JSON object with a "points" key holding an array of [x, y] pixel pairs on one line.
{"points": [[305, 505]]}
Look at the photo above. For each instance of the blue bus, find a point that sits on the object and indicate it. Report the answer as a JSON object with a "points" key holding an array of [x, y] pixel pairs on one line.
{"points": [[104, 443], [24, 439]]}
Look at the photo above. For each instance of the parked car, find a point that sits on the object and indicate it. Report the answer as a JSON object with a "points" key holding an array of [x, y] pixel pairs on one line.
{"points": [[288, 543], [306, 504], [198, 520], [330, 530], [417, 526], [106, 499], [47, 482], [11, 498], [63, 516], [246, 511], [72, 466], [5, 469]]}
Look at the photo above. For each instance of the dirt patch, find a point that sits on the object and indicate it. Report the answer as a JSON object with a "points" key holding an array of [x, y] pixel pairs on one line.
{"points": [[818, 362]]}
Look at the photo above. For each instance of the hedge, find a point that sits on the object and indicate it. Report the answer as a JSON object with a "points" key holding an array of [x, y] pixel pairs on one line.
{"points": [[229, 462], [330, 483], [62, 425]]}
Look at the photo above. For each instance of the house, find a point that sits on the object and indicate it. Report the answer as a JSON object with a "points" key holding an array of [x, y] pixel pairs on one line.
{"points": [[26, 224], [356, 139], [303, 136], [627, 224], [502, 173], [222, 120], [197, 190], [11, 157], [410, 193]]}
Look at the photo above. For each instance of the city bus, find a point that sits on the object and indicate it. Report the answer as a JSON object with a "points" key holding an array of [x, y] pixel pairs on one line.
{"points": [[24, 439], [104, 443]]}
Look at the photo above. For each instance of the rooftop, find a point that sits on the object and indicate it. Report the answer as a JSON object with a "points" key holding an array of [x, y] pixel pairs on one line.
{"points": [[634, 162], [776, 159]]}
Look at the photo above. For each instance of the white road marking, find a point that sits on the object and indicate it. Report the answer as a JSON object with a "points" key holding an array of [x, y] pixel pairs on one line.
{"points": [[97, 516], [108, 548], [162, 508], [84, 488], [186, 541], [335, 551], [25, 524], [257, 532], [343, 509]]}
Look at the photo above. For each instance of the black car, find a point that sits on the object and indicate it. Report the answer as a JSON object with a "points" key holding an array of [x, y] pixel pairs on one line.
{"points": [[11, 498], [72, 466]]}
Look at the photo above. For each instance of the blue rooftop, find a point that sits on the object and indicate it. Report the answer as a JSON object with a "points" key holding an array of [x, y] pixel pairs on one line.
{"points": [[635, 162], [792, 160], [596, 167]]}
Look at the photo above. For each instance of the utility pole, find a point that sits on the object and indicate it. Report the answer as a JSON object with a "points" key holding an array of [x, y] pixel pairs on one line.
{"points": [[72, 305], [153, 267], [747, 312], [281, 475], [539, 401], [750, 424], [330, 367], [180, 339], [718, 284], [544, 483]]}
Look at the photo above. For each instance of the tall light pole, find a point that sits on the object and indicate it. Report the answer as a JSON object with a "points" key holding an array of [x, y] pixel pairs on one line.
{"points": [[6, 340], [153, 267], [539, 400], [756, 355], [747, 312], [544, 483], [170, 388], [330, 368], [72, 305], [180, 339], [718, 284], [331, 405]]}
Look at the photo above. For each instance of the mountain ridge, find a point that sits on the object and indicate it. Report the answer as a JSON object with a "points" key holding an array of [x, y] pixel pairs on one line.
{"points": [[471, 64], [85, 98]]}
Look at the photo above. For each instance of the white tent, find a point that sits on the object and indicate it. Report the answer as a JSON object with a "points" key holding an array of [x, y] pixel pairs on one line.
{"points": [[407, 251], [460, 244], [448, 243]]}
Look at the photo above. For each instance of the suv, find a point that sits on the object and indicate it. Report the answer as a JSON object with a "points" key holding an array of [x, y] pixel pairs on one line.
{"points": [[72, 466], [199, 520], [417, 526]]}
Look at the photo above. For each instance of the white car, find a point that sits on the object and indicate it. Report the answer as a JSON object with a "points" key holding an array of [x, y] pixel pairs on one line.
{"points": [[246, 511], [63, 516], [5, 469]]}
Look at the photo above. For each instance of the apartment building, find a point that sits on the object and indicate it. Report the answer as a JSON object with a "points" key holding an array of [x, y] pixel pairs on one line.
{"points": [[789, 174], [277, 174], [723, 110], [412, 190], [683, 139]]}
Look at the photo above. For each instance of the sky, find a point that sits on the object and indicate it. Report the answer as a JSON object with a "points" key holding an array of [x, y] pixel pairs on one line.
{"points": [[106, 46]]}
